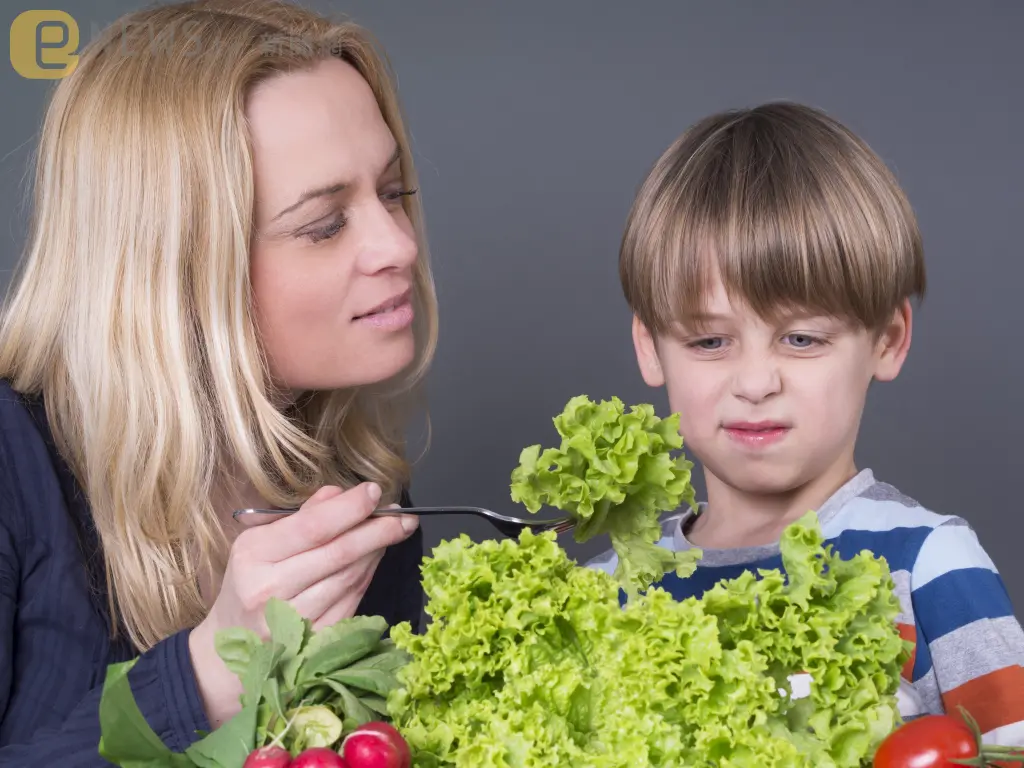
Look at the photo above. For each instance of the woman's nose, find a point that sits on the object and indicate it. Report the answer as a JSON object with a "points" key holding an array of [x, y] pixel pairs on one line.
{"points": [[387, 240]]}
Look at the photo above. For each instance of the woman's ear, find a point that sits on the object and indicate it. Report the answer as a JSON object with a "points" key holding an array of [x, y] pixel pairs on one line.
{"points": [[893, 343], [647, 354]]}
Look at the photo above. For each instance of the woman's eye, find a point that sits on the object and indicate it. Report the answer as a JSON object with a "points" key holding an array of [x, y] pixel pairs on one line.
{"points": [[326, 232], [398, 193]]}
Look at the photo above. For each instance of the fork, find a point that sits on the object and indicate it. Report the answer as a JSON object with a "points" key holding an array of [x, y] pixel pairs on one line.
{"points": [[506, 525]]}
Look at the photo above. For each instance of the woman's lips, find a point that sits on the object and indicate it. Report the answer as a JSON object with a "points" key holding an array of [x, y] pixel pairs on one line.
{"points": [[392, 319]]}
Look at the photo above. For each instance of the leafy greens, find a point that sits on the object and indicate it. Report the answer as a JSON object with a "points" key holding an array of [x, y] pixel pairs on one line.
{"points": [[530, 662], [301, 689], [615, 473]]}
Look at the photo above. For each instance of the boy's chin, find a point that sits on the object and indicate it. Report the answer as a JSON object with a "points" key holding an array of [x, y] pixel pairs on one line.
{"points": [[764, 479]]}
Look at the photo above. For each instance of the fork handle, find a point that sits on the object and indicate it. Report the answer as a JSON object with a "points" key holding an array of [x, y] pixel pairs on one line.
{"points": [[384, 512]]}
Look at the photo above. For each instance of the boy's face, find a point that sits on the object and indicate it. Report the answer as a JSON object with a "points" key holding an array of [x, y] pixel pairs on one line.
{"points": [[770, 408]]}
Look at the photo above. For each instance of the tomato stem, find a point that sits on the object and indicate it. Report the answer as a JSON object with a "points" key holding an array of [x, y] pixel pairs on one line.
{"points": [[987, 752]]}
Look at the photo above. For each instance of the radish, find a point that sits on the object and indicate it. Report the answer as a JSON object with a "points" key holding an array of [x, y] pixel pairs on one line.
{"points": [[269, 757], [318, 757], [376, 745]]}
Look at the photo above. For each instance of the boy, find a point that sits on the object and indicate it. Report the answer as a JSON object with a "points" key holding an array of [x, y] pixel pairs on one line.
{"points": [[769, 261]]}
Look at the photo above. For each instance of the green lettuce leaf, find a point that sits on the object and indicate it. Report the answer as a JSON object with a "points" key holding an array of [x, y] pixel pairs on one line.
{"points": [[615, 473]]}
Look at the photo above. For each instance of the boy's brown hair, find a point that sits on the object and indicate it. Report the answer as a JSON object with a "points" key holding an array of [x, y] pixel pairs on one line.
{"points": [[789, 207]]}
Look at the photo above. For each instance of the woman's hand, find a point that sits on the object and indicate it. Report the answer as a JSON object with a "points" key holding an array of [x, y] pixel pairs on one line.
{"points": [[320, 559]]}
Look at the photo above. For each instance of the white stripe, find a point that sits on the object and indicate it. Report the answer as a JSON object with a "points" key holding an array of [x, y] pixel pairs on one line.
{"points": [[949, 549], [901, 580], [878, 516], [1011, 735], [909, 701], [606, 561], [978, 649]]}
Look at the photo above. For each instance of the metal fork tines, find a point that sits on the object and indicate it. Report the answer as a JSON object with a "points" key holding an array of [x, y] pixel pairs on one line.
{"points": [[506, 525]]}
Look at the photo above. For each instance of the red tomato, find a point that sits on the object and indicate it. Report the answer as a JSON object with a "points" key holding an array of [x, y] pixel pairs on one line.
{"points": [[318, 757], [268, 757], [376, 745], [933, 741]]}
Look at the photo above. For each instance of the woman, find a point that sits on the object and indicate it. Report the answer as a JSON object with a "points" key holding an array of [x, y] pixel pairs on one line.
{"points": [[225, 303]]}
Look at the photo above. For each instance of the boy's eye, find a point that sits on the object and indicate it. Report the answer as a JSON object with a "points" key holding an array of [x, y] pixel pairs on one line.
{"points": [[802, 340], [709, 344]]}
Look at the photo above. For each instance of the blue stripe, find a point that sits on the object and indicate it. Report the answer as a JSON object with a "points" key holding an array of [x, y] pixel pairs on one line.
{"points": [[707, 577], [922, 658], [957, 599], [899, 546]]}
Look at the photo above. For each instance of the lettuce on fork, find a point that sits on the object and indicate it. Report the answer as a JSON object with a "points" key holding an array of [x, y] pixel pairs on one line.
{"points": [[615, 473]]}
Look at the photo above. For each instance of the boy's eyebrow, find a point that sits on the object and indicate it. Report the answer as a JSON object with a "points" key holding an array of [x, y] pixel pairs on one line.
{"points": [[700, 318]]}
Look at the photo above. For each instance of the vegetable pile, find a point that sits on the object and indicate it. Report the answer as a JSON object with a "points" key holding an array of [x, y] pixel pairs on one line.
{"points": [[614, 472], [306, 694], [530, 661]]}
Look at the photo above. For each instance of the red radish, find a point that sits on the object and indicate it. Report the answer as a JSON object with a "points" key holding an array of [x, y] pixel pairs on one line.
{"points": [[376, 745], [268, 757], [318, 757]]}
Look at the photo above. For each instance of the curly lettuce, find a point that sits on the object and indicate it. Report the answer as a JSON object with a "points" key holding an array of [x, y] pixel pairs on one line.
{"points": [[615, 473], [529, 661]]}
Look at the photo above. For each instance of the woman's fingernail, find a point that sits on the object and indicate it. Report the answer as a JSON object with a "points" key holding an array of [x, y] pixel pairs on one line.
{"points": [[373, 491], [409, 523]]}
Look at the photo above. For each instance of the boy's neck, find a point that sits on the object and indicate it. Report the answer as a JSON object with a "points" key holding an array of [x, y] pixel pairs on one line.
{"points": [[734, 518]]}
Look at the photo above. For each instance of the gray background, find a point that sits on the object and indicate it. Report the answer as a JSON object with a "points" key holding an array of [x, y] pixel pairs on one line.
{"points": [[533, 124]]}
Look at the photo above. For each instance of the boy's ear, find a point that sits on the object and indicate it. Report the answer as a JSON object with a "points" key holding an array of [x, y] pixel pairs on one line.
{"points": [[647, 354], [894, 343]]}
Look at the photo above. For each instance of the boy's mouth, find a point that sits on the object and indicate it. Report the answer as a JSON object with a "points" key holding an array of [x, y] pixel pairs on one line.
{"points": [[756, 433]]}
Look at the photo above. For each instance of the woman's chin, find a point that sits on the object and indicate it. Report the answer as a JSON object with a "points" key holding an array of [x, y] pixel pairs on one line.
{"points": [[371, 369]]}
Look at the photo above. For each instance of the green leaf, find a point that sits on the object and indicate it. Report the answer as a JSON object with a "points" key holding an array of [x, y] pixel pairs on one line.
{"points": [[287, 627], [126, 738], [336, 647], [270, 712], [375, 703], [386, 661], [290, 671], [228, 745], [236, 647], [356, 713], [370, 680]]}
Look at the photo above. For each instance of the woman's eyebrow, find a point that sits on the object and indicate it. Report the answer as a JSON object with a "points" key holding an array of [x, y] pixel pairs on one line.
{"points": [[331, 189]]}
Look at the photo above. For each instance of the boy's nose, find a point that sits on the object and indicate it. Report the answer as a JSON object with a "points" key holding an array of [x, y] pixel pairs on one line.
{"points": [[756, 380]]}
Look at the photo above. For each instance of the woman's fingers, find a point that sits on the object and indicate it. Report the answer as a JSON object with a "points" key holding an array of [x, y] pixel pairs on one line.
{"points": [[324, 517], [301, 571], [348, 603], [342, 590]]}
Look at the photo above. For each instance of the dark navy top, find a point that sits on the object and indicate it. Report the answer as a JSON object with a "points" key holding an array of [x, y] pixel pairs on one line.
{"points": [[55, 642]]}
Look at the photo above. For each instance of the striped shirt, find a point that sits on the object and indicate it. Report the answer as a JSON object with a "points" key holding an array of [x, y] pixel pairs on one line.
{"points": [[969, 647]]}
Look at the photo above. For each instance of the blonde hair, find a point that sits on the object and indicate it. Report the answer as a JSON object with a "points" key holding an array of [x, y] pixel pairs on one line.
{"points": [[133, 316], [783, 203]]}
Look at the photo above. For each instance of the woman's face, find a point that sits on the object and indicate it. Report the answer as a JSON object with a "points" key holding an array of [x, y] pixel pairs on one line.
{"points": [[332, 261]]}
